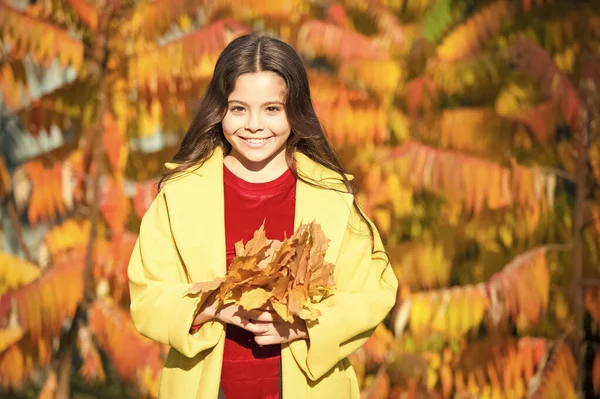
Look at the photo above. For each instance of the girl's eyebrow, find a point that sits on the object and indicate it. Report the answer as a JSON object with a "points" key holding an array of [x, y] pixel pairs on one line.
{"points": [[246, 104]]}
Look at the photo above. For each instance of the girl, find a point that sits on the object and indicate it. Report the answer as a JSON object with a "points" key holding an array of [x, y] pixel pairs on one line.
{"points": [[255, 152]]}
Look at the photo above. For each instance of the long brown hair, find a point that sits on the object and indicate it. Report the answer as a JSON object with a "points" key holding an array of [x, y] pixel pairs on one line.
{"points": [[248, 54]]}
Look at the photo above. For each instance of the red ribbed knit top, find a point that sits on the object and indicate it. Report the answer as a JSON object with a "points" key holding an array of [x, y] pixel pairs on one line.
{"points": [[250, 371]]}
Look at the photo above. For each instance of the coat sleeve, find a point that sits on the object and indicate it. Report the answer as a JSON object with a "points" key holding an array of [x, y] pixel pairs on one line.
{"points": [[159, 308], [366, 292]]}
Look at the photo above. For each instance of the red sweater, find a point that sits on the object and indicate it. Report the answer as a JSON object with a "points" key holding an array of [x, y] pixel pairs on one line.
{"points": [[250, 371]]}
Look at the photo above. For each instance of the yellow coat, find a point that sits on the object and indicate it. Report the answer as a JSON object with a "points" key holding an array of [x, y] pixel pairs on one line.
{"points": [[182, 240]]}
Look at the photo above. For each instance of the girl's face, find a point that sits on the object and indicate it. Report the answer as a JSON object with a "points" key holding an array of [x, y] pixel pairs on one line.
{"points": [[256, 123]]}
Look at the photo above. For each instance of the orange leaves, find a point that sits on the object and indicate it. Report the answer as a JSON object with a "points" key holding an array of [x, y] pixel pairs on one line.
{"points": [[290, 276], [136, 359], [470, 37], [557, 377], [596, 373], [349, 116], [86, 12], [321, 39], [193, 56], [41, 39], [114, 143], [521, 289], [114, 204], [535, 61], [15, 272], [153, 18], [4, 179], [46, 200], [475, 182], [501, 368], [591, 297], [450, 312], [38, 309], [43, 304]]}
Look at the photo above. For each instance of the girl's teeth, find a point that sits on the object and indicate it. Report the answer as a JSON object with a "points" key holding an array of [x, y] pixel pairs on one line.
{"points": [[256, 141]]}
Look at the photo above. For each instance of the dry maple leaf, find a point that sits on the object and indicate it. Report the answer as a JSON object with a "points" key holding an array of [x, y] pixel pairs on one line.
{"points": [[289, 276]]}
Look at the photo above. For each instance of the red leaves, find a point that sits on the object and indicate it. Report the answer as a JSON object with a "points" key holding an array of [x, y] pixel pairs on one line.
{"points": [[290, 276], [144, 194], [136, 359], [555, 85], [317, 38], [521, 289]]}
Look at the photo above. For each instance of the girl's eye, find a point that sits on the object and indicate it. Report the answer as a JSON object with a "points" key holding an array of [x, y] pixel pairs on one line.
{"points": [[273, 109], [237, 108]]}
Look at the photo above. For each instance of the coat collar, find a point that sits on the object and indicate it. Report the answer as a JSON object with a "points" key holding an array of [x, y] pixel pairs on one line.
{"points": [[195, 202]]}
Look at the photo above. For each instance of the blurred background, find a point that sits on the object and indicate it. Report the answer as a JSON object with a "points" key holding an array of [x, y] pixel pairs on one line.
{"points": [[472, 127]]}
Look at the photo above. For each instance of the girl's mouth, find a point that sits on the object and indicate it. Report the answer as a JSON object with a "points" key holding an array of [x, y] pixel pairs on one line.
{"points": [[255, 143]]}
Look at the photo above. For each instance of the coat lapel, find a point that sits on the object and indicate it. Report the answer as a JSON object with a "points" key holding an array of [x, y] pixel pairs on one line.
{"points": [[326, 206], [197, 218], [196, 210]]}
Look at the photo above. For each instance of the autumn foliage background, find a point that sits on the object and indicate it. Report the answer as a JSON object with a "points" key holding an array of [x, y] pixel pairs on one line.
{"points": [[471, 127]]}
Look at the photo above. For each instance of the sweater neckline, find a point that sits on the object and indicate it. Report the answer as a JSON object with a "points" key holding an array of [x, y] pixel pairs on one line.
{"points": [[270, 186]]}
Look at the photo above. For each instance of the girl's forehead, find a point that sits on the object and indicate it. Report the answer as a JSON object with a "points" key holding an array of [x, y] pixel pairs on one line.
{"points": [[259, 85]]}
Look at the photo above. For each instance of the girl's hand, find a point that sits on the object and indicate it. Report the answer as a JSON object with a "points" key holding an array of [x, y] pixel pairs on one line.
{"points": [[229, 314], [277, 330]]}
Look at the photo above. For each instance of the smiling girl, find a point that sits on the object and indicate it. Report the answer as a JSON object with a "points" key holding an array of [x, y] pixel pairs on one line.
{"points": [[255, 152]]}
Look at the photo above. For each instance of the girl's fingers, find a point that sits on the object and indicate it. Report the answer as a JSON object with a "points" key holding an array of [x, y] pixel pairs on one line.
{"points": [[261, 316], [267, 339], [255, 328]]}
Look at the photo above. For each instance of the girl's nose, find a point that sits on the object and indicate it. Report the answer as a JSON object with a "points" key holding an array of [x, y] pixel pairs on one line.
{"points": [[254, 124]]}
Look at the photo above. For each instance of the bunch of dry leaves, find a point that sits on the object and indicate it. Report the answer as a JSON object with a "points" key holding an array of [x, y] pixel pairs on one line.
{"points": [[290, 275]]}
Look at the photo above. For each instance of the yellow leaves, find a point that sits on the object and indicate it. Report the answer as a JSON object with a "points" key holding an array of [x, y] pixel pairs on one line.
{"points": [[15, 272], [450, 313], [322, 39], [193, 56], [420, 265], [535, 61], [384, 197], [44, 41], [135, 358], [479, 130], [9, 336], [471, 77], [72, 233], [381, 76], [470, 37], [521, 289], [290, 276]]}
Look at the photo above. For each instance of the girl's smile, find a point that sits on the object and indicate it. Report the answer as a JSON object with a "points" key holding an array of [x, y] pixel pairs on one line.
{"points": [[257, 127]]}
